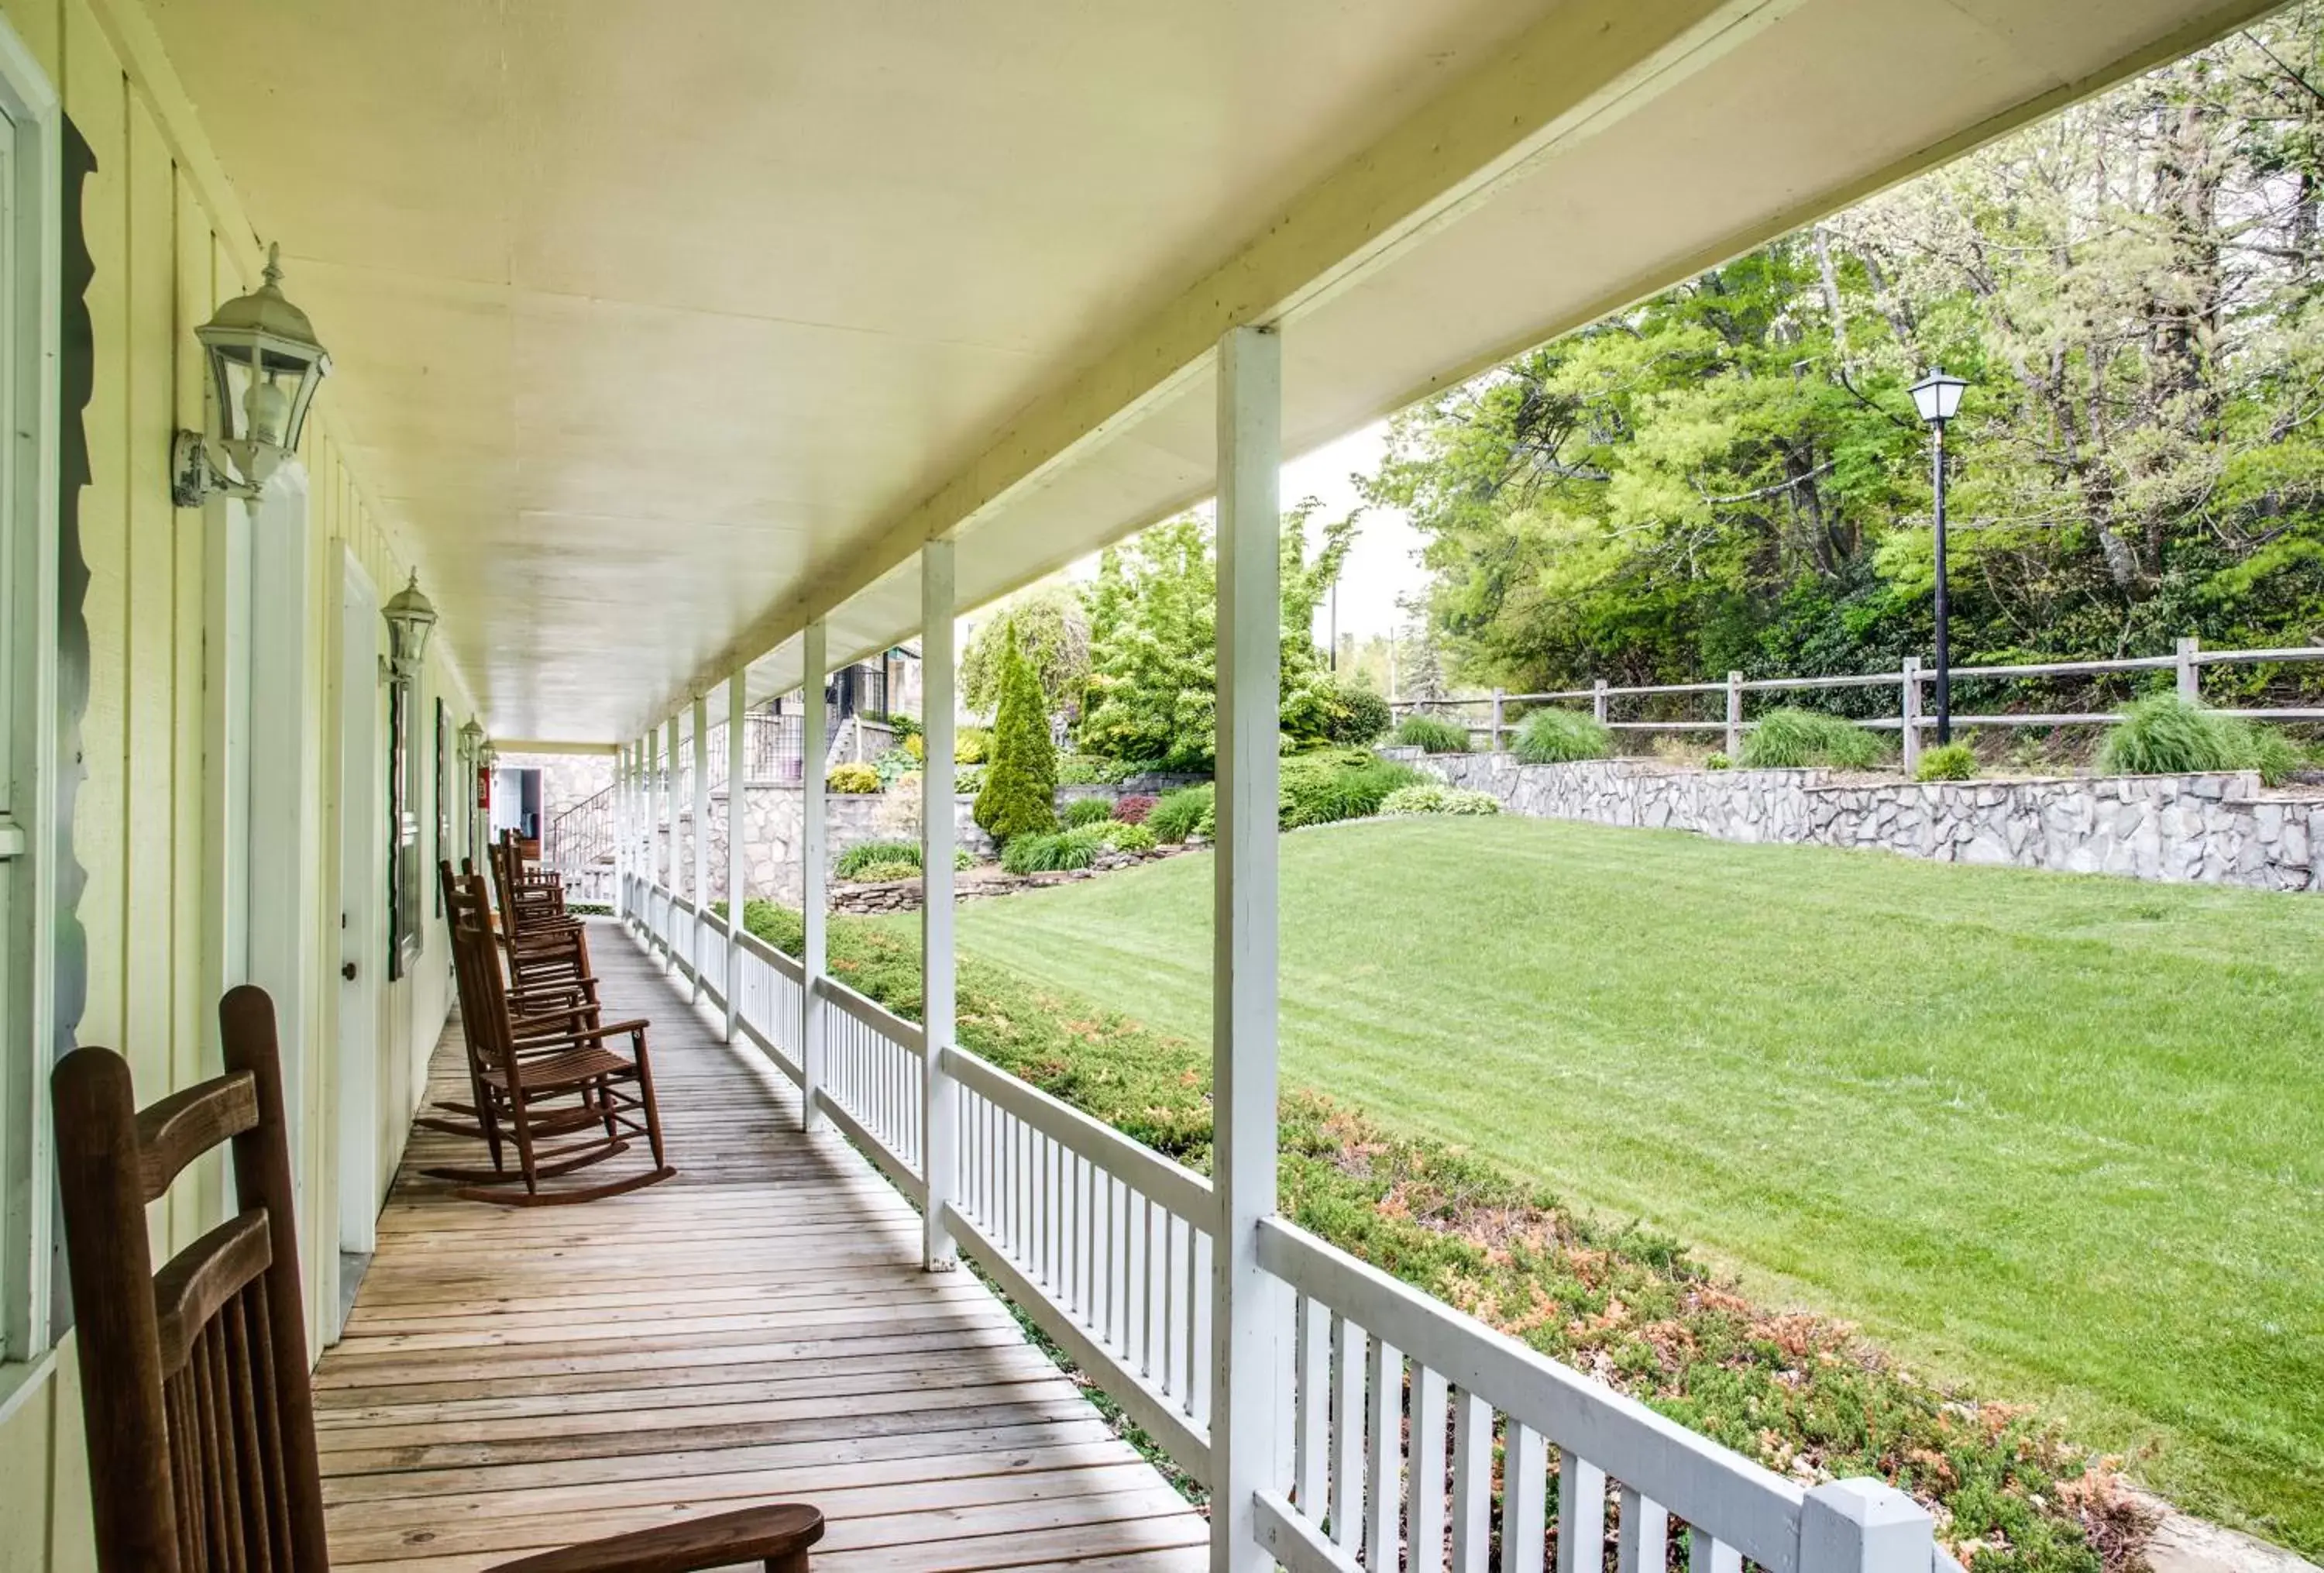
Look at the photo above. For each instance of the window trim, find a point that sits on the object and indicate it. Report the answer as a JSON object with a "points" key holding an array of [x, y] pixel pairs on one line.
{"points": [[30, 523]]}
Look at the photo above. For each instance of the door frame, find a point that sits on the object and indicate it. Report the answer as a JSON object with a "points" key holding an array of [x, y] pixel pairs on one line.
{"points": [[361, 883]]}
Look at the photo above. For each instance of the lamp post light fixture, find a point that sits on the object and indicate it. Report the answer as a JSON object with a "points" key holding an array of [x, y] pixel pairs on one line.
{"points": [[1938, 398], [410, 618], [265, 364]]}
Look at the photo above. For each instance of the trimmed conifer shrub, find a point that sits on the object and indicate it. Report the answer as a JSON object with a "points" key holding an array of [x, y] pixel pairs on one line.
{"points": [[1020, 777]]}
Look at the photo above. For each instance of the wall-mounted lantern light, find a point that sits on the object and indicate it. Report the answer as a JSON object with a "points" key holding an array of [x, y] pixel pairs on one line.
{"points": [[472, 738], [410, 617], [265, 364]]}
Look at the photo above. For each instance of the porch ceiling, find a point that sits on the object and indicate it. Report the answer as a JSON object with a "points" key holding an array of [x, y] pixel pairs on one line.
{"points": [[662, 324]]}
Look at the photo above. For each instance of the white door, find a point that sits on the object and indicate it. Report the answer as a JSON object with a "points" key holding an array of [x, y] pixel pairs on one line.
{"points": [[362, 849]]}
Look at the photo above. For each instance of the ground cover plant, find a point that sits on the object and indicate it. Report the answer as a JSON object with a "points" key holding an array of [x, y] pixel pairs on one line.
{"points": [[1561, 737], [1432, 735], [1791, 739], [2052, 1134], [1432, 797], [1625, 1303]]}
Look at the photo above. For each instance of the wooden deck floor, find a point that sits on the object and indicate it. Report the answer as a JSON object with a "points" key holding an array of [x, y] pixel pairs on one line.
{"points": [[754, 1330]]}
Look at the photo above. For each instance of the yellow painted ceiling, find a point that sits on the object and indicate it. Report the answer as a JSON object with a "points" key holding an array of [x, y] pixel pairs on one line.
{"points": [[663, 325]]}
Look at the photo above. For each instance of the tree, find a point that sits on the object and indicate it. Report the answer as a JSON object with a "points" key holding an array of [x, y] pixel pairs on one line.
{"points": [[1020, 781], [1053, 630], [1153, 684], [1730, 476]]}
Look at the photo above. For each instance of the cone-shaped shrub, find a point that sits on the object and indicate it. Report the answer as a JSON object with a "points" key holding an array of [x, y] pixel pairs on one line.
{"points": [[1020, 779]]}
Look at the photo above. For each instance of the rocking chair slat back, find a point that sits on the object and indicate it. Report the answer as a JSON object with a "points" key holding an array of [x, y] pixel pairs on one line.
{"points": [[194, 1384]]}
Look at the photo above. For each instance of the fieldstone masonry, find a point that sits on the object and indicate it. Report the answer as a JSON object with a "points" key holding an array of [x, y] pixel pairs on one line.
{"points": [[2212, 829]]}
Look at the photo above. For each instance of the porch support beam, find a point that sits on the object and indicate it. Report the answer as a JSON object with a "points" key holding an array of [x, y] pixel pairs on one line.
{"points": [[699, 892], [940, 1096], [814, 834], [738, 826], [1583, 66], [1251, 1311]]}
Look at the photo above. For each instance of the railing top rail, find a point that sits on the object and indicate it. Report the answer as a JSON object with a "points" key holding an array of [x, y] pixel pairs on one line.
{"points": [[906, 1035], [1750, 1508], [784, 965], [1179, 1190]]}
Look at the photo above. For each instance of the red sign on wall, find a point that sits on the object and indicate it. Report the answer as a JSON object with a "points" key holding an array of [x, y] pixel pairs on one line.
{"points": [[484, 788]]}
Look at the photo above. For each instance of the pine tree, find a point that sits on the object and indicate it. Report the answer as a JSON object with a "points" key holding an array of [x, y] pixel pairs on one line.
{"points": [[1020, 780]]}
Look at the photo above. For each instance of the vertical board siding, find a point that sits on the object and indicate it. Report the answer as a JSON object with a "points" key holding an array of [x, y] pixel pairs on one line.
{"points": [[157, 218]]}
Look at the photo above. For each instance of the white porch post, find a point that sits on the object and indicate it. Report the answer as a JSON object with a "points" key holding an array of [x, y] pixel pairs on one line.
{"points": [[940, 1104], [621, 856], [1247, 1314], [700, 892], [669, 821], [813, 835], [738, 822]]}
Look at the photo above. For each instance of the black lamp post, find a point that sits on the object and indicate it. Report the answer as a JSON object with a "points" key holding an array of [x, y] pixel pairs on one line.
{"points": [[1938, 398]]}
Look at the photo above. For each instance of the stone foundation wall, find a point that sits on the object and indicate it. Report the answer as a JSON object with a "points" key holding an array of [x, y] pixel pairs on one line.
{"points": [[2214, 829]]}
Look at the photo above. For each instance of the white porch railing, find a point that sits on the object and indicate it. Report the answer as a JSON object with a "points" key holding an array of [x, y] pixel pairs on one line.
{"points": [[1392, 1401]]}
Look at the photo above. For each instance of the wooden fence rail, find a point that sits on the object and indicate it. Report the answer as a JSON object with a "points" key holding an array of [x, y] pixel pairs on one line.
{"points": [[1913, 717]]}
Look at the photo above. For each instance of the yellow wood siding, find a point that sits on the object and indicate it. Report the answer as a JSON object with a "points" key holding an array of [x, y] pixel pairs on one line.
{"points": [[169, 244]]}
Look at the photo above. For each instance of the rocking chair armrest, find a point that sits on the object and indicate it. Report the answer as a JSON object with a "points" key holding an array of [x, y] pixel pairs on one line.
{"points": [[778, 1536], [597, 1034]]}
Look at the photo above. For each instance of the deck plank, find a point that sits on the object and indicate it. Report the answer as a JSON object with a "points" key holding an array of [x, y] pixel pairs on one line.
{"points": [[756, 1329]]}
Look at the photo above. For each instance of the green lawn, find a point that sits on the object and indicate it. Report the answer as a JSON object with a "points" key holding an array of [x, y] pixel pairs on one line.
{"points": [[2061, 1137]]}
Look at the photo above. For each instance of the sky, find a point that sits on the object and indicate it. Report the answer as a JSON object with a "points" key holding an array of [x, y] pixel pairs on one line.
{"points": [[1381, 565]]}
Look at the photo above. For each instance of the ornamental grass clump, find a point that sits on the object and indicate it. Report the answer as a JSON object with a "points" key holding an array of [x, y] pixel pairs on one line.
{"points": [[1432, 735], [1183, 813], [1948, 762], [1789, 739], [2165, 734], [1562, 738], [1085, 812], [1056, 852], [852, 863]]}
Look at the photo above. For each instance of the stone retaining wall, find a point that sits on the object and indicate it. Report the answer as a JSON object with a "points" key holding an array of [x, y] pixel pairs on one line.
{"points": [[2213, 829], [772, 817]]}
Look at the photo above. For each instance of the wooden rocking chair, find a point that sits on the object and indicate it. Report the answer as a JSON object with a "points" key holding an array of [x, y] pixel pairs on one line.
{"points": [[194, 1383], [559, 1007], [552, 972], [526, 1061]]}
